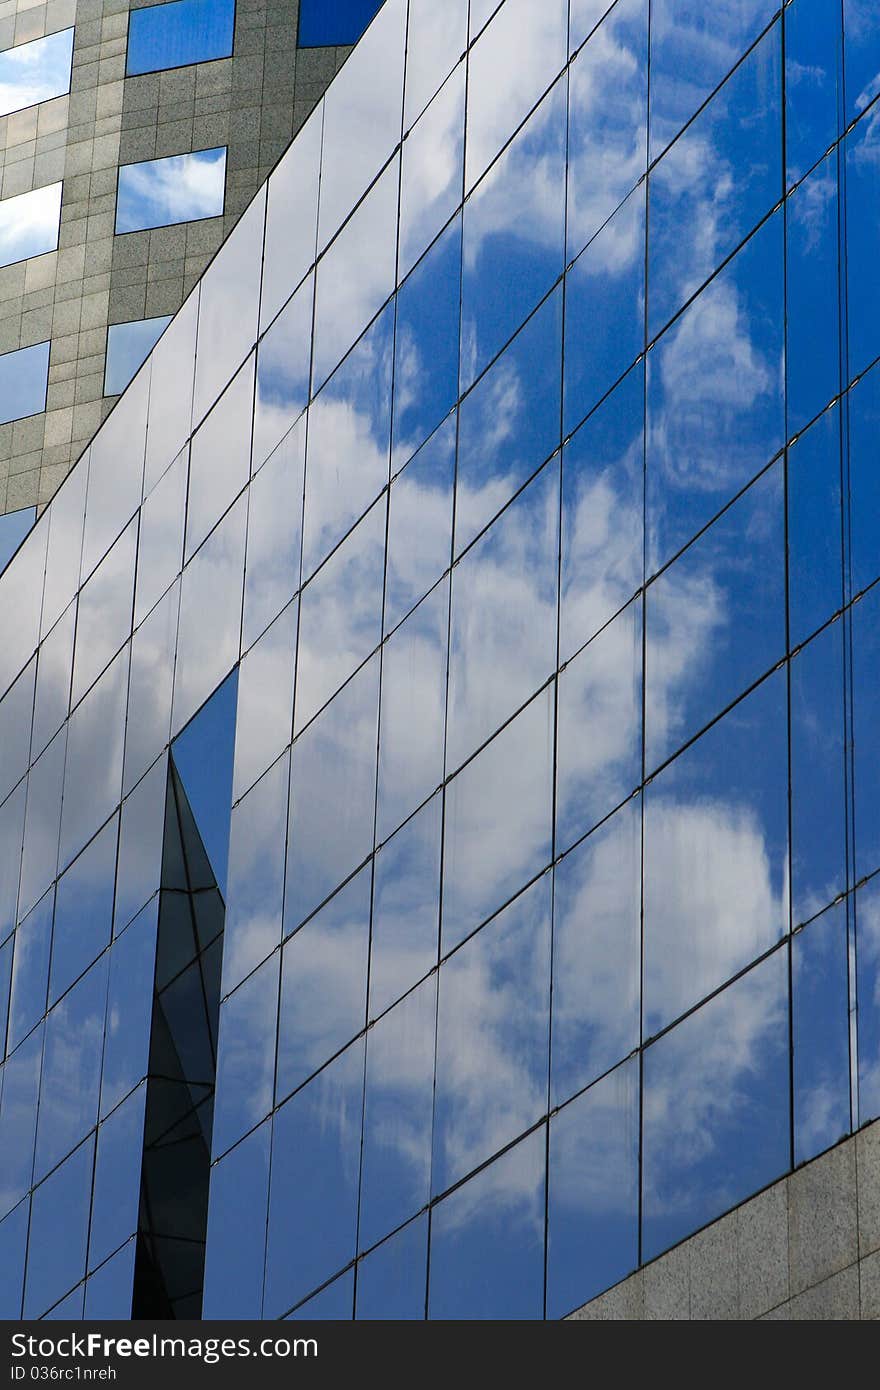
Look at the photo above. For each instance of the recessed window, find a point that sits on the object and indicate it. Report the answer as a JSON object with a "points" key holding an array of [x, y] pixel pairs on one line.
{"points": [[321, 24], [23, 379], [29, 224], [180, 188], [128, 346], [14, 526], [181, 32], [36, 71]]}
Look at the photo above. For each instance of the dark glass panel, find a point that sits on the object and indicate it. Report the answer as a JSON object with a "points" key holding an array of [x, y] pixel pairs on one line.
{"points": [[236, 1246], [866, 732], [109, 1289], [203, 756], [815, 527], [812, 351], [392, 1280], [820, 1021], [818, 775], [117, 1178], [864, 480], [867, 909], [863, 283], [59, 1232], [13, 1248], [813, 83], [246, 1056]]}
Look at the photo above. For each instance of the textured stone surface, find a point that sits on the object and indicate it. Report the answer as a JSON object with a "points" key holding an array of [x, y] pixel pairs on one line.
{"points": [[806, 1249]]}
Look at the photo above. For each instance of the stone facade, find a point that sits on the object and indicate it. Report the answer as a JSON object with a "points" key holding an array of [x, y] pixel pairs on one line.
{"points": [[805, 1249], [252, 102]]}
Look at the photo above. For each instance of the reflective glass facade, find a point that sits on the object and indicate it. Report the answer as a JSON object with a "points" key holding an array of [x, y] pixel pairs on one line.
{"points": [[514, 507]]}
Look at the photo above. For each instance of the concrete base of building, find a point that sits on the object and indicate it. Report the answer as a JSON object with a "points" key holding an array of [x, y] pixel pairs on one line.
{"points": [[807, 1248]]}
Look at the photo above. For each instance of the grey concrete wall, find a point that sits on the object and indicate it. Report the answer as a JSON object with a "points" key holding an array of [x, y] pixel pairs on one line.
{"points": [[807, 1248], [253, 102]]}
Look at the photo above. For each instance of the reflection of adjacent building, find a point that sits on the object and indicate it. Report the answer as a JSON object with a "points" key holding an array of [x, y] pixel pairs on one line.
{"points": [[534, 508]]}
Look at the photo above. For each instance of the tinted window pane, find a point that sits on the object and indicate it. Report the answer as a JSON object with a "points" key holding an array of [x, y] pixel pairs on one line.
{"points": [[117, 1178], [812, 355], [129, 1008], [292, 217], [867, 902], [246, 1056], [71, 1068], [420, 524], [392, 1279], [820, 1017], [29, 223], [14, 526], [83, 911], [185, 31], [406, 907], [220, 458], [37, 71], [256, 876], [341, 23], [818, 775], [13, 1244], [237, 1230], [813, 82], [180, 188], [129, 344], [18, 1119], [59, 1231], [23, 378]]}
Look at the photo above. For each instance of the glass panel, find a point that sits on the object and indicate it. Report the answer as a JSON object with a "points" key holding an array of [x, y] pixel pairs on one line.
{"points": [[274, 541], [52, 701], [11, 836], [18, 1119], [866, 733], [812, 356], [220, 458], [420, 524], [413, 718], [179, 188], [392, 1280], [83, 911], [608, 114], [406, 907], [716, 618], [292, 217], [426, 345], [514, 234], [283, 367], [820, 1019], [867, 906], [513, 62], [495, 1006], [341, 615], [861, 54], [599, 727], [40, 856], [717, 181], [65, 524], [246, 1056], [602, 514], [716, 832], [15, 722], [596, 953], [109, 1290], [715, 395], [14, 526], [349, 442], [605, 309], [864, 480], [324, 984], [23, 379], [692, 50], [362, 116], [149, 699], [20, 611], [314, 1191], [185, 31], [30, 971], [332, 795], [117, 1177], [59, 1232], [116, 472], [332, 1304], [498, 827], [229, 300], [593, 1178], [130, 344], [502, 644], [203, 757], [71, 1074], [29, 223], [160, 543], [584, 16], [171, 375], [431, 177], [435, 40], [140, 845], [509, 422], [487, 1240], [399, 1096], [236, 1246], [862, 201], [813, 83], [129, 1008], [104, 614], [36, 71], [815, 525], [716, 1107], [265, 701], [13, 1246], [210, 615], [356, 275], [818, 775], [256, 875], [93, 775], [343, 23]]}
